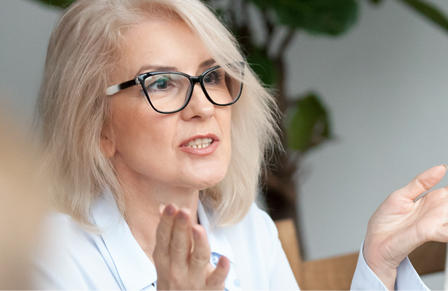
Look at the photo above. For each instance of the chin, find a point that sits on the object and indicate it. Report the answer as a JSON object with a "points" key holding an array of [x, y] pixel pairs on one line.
{"points": [[206, 180]]}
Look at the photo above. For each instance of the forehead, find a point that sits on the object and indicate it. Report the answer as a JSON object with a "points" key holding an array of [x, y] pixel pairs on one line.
{"points": [[161, 43]]}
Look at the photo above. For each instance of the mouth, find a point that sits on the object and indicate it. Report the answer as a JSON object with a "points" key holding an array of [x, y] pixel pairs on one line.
{"points": [[199, 143]]}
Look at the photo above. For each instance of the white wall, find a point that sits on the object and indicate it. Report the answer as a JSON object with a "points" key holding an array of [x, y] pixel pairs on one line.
{"points": [[384, 83], [25, 28]]}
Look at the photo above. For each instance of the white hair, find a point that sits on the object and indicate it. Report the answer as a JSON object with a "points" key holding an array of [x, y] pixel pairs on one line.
{"points": [[83, 50]]}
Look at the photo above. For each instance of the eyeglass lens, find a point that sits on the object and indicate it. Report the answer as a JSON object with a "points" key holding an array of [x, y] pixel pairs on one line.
{"points": [[169, 92]]}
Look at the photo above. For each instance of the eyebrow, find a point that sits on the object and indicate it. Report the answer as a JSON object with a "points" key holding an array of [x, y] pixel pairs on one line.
{"points": [[147, 68]]}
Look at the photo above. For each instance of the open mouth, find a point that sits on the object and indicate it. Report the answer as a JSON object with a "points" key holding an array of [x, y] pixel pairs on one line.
{"points": [[199, 143]]}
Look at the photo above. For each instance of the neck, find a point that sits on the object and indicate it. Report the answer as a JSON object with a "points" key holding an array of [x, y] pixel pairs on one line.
{"points": [[142, 203]]}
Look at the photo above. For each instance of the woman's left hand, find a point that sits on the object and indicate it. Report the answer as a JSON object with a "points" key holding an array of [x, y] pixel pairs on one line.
{"points": [[400, 225]]}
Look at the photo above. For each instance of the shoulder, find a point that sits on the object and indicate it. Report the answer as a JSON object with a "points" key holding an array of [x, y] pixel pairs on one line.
{"points": [[258, 221], [63, 240], [66, 255], [256, 232], [61, 230]]}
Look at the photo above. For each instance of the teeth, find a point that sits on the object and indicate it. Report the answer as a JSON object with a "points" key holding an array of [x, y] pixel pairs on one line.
{"points": [[200, 143]]}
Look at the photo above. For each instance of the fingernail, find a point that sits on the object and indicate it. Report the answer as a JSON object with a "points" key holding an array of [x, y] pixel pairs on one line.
{"points": [[223, 262], [182, 216], [446, 167], [169, 210]]}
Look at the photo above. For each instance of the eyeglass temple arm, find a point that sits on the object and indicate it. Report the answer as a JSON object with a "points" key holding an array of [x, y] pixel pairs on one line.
{"points": [[116, 88]]}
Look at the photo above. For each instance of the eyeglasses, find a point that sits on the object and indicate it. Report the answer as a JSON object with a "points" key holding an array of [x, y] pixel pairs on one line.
{"points": [[170, 92]]}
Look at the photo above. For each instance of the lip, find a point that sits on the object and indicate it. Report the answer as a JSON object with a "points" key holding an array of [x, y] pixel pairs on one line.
{"points": [[203, 151]]}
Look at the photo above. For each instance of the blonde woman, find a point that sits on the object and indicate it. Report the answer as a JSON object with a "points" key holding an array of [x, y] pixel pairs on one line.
{"points": [[158, 129]]}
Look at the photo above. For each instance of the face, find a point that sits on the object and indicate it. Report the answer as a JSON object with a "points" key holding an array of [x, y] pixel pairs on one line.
{"points": [[151, 149]]}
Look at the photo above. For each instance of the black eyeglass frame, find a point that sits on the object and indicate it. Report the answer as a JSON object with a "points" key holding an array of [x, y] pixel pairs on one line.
{"points": [[140, 80]]}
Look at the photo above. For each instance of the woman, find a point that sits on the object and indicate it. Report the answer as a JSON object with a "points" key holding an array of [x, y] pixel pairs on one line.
{"points": [[158, 129]]}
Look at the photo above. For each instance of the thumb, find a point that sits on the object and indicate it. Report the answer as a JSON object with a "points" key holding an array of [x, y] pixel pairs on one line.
{"points": [[423, 182], [216, 279]]}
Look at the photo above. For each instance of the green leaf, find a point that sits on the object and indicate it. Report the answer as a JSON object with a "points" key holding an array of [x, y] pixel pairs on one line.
{"points": [[329, 17], [429, 11], [310, 124], [263, 66], [57, 3]]}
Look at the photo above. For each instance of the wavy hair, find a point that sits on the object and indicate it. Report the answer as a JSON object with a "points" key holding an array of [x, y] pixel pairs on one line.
{"points": [[73, 106]]}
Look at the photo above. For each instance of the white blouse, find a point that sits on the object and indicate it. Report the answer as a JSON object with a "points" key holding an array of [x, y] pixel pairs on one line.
{"points": [[74, 258]]}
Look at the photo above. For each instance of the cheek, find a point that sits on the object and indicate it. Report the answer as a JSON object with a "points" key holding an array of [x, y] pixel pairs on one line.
{"points": [[139, 132], [225, 123]]}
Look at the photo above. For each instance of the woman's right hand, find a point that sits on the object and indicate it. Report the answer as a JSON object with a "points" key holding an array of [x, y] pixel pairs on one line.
{"points": [[182, 254]]}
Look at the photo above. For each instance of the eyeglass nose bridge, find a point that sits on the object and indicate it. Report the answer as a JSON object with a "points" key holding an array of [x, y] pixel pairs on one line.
{"points": [[193, 81]]}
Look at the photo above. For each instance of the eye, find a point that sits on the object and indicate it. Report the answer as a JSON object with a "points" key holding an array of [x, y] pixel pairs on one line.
{"points": [[162, 83], [214, 77]]}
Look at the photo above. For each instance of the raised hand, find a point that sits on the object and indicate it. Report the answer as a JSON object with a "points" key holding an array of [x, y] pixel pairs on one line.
{"points": [[182, 254], [401, 224]]}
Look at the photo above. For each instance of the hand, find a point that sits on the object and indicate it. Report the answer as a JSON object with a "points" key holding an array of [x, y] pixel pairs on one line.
{"points": [[182, 254], [400, 225]]}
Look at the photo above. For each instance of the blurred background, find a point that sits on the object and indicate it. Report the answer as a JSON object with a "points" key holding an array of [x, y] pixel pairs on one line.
{"points": [[377, 89]]}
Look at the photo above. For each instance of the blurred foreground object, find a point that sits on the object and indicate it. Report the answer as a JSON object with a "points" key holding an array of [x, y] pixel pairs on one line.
{"points": [[23, 190]]}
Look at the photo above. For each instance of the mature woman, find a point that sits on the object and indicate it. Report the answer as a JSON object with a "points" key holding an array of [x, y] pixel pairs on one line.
{"points": [[158, 129]]}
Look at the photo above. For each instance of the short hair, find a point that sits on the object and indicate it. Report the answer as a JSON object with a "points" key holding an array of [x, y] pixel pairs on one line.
{"points": [[83, 50]]}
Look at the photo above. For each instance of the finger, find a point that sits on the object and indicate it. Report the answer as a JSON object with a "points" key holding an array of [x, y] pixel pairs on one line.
{"points": [[200, 257], [216, 280], [164, 233], [161, 208], [180, 246], [423, 182]]}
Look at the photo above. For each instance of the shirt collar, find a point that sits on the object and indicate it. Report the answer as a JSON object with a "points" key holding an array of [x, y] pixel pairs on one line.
{"points": [[133, 266], [216, 235]]}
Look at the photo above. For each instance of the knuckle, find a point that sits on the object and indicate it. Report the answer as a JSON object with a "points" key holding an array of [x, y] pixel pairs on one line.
{"points": [[177, 247], [200, 258], [162, 236]]}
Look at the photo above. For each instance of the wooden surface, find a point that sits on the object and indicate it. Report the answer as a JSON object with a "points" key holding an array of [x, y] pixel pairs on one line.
{"points": [[336, 273], [429, 258]]}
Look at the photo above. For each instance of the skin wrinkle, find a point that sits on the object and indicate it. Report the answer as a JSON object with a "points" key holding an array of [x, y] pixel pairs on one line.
{"points": [[146, 149]]}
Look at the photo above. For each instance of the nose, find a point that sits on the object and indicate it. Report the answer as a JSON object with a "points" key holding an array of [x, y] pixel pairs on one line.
{"points": [[199, 106]]}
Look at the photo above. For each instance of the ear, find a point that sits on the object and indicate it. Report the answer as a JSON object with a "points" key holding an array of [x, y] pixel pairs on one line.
{"points": [[107, 141]]}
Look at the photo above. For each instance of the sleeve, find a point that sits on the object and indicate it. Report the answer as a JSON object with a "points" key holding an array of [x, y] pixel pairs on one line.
{"points": [[365, 279], [281, 275]]}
